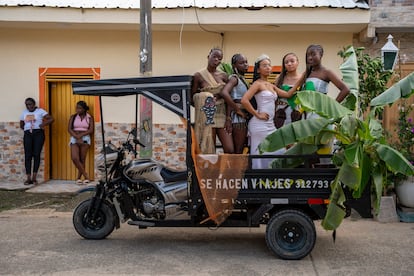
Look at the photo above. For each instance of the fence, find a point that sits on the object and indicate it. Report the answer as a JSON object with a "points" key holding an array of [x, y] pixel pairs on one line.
{"points": [[390, 118]]}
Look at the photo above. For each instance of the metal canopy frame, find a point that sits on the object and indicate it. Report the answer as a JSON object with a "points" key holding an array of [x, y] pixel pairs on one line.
{"points": [[171, 92]]}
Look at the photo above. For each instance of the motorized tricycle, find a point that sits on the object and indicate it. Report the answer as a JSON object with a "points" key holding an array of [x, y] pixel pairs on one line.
{"points": [[215, 190]]}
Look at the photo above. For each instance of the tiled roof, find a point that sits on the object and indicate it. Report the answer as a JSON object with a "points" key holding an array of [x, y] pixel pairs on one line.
{"points": [[171, 4]]}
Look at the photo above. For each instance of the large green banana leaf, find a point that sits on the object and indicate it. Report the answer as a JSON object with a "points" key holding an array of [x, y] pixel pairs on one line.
{"points": [[353, 154], [376, 130], [292, 133], [348, 127], [366, 171], [322, 105], [336, 210], [350, 76], [226, 68], [350, 176], [402, 89], [394, 160]]}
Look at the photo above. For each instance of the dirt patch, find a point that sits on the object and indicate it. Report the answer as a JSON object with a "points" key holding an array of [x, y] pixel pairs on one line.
{"points": [[24, 200]]}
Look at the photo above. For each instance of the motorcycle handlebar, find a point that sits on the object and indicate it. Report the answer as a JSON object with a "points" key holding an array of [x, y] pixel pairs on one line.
{"points": [[133, 132], [128, 146], [137, 142]]}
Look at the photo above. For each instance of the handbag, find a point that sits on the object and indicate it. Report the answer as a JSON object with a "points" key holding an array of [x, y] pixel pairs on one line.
{"points": [[280, 117]]}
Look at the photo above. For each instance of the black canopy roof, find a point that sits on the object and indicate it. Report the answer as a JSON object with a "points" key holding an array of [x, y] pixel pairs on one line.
{"points": [[172, 92]]}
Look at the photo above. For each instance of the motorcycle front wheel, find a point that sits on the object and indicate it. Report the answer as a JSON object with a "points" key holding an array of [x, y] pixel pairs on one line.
{"points": [[97, 228]]}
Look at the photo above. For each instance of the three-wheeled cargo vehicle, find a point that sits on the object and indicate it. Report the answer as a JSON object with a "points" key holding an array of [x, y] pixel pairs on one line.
{"points": [[214, 190]]}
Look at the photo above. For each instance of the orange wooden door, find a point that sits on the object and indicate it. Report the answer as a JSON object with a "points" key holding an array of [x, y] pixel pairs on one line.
{"points": [[62, 106]]}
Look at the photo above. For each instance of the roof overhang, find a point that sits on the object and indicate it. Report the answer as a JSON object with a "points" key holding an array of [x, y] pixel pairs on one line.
{"points": [[189, 19]]}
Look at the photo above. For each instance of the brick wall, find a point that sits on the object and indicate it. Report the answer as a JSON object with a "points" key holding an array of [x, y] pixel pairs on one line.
{"points": [[404, 41], [169, 147], [12, 154], [391, 13], [390, 3], [169, 142], [393, 17]]}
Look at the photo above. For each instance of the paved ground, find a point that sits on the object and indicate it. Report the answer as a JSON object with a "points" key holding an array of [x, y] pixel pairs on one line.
{"points": [[43, 242], [53, 186]]}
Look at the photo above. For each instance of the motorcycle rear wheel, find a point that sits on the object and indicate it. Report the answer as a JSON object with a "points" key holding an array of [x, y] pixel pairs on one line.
{"points": [[100, 228]]}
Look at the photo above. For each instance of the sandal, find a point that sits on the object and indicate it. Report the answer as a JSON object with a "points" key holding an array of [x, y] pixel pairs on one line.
{"points": [[79, 182], [86, 181]]}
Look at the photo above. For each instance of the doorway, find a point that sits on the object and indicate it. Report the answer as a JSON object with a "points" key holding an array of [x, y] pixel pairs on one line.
{"points": [[61, 104]]}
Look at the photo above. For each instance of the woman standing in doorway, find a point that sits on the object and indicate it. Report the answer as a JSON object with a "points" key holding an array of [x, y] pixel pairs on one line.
{"points": [[32, 121], [81, 126]]}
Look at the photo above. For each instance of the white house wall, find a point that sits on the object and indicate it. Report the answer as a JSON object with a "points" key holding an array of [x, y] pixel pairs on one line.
{"points": [[115, 52], [23, 51]]}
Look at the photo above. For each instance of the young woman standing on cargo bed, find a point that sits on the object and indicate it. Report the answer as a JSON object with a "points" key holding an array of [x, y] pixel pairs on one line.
{"points": [[210, 108], [233, 91], [266, 94]]}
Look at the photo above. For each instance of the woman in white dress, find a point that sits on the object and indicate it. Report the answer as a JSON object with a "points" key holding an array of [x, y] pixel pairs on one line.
{"points": [[266, 94]]}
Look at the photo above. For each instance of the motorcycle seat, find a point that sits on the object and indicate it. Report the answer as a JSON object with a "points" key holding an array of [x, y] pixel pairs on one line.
{"points": [[173, 176]]}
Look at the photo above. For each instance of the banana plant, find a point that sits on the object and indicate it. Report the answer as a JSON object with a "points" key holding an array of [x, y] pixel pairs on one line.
{"points": [[363, 156], [226, 68]]}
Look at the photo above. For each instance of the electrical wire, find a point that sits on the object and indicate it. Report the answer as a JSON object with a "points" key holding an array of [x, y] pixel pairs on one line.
{"points": [[181, 31], [204, 29]]}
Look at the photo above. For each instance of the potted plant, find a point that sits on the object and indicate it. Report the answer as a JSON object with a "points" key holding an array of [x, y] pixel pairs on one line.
{"points": [[403, 89], [363, 155]]}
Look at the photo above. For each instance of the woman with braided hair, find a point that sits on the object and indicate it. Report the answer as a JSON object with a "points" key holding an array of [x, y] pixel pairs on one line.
{"points": [[81, 126], [233, 91], [318, 77]]}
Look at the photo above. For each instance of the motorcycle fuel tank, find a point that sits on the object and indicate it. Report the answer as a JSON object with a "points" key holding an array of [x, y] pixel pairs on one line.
{"points": [[144, 169]]}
